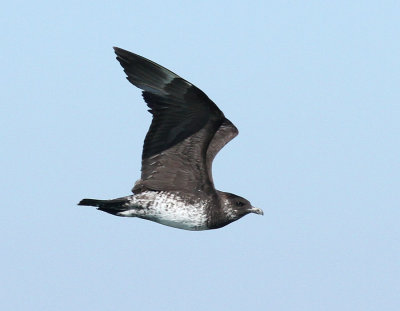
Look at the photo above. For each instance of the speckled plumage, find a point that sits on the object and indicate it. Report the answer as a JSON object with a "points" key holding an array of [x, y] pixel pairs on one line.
{"points": [[176, 187], [168, 208]]}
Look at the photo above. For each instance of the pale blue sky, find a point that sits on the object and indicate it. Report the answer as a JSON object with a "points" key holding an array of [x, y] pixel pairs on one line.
{"points": [[313, 87]]}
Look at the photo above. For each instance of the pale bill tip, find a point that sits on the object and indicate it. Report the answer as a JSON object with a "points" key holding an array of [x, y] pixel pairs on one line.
{"points": [[256, 210]]}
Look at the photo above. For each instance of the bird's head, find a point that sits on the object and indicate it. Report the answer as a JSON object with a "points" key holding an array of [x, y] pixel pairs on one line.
{"points": [[236, 207]]}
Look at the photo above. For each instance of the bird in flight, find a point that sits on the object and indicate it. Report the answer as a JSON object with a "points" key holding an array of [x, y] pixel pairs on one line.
{"points": [[176, 187]]}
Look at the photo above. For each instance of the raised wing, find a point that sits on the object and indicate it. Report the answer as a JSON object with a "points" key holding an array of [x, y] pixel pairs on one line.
{"points": [[184, 122], [225, 133]]}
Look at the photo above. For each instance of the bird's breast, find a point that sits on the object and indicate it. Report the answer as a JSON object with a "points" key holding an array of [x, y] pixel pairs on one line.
{"points": [[172, 209]]}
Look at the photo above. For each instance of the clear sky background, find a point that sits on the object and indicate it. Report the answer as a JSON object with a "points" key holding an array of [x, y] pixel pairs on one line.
{"points": [[313, 87]]}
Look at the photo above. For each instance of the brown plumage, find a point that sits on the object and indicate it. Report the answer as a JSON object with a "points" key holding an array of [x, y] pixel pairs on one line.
{"points": [[186, 133]]}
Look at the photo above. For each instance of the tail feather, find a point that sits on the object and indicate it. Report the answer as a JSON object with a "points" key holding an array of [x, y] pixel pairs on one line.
{"points": [[114, 206]]}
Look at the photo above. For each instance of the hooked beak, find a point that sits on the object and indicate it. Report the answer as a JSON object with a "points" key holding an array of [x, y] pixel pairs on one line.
{"points": [[256, 210]]}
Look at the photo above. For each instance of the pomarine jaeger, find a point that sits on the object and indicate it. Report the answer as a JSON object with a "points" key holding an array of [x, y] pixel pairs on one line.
{"points": [[187, 131]]}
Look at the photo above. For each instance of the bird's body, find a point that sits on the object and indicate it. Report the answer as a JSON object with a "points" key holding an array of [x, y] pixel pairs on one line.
{"points": [[188, 130], [170, 209], [165, 207]]}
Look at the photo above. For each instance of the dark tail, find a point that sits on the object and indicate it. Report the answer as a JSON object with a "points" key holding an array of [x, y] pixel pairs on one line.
{"points": [[114, 206]]}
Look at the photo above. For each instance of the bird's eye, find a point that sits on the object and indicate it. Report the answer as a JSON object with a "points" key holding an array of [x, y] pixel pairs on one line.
{"points": [[240, 204]]}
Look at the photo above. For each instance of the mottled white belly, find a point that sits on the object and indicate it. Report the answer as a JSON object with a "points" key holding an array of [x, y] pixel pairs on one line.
{"points": [[168, 209], [179, 218]]}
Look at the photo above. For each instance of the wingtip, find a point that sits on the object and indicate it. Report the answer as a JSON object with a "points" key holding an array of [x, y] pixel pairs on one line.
{"points": [[117, 50], [123, 55]]}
